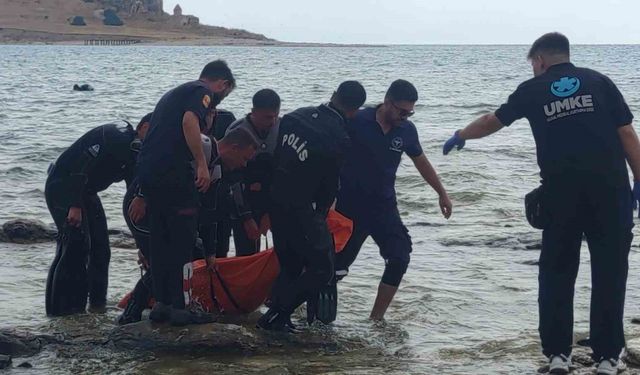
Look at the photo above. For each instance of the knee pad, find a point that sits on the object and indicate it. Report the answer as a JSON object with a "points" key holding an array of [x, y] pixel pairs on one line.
{"points": [[393, 271]]}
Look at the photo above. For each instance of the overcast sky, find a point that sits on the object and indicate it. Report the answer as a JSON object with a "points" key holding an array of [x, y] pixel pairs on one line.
{"points": [[424, 21]]}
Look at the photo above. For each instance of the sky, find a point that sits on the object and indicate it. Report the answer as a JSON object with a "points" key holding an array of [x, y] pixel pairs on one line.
{"points": [[424, 21]]}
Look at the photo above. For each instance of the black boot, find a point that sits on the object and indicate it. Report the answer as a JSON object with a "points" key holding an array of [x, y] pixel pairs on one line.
{"points": [[132, 313], [276, 320]]}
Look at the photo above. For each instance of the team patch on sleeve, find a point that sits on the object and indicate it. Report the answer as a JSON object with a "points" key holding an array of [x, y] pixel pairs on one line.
{"points": [[94, 150], [206, 101]]}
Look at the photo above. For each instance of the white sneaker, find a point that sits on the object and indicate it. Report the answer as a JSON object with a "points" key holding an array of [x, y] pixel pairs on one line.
{"points": [[608, 367], [559, 364]]}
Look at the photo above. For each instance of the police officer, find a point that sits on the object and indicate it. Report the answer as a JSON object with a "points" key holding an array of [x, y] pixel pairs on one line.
{"points": [[226, 155], [583, 133], [263, 123], [99, 158], [367, 194], [167, 182], [311, 145]]}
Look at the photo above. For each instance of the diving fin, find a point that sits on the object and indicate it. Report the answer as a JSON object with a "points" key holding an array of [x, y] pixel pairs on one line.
{"points": [[327, 305]]}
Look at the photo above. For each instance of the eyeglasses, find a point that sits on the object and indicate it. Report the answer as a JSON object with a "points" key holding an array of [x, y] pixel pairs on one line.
{"points": [[403, 112]]}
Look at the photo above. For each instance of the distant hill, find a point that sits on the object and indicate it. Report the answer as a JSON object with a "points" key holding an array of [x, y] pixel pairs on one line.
{"points": [[50, 21]]}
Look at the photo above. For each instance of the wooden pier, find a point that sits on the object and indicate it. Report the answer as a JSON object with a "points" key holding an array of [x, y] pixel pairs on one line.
{"points": [[111, 42]]}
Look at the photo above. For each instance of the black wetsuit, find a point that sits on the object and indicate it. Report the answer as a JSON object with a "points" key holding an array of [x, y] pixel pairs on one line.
{"points": [[311, 144], [256, 184], [575, 114], [167, 181], [221, 123], [99, 158]]}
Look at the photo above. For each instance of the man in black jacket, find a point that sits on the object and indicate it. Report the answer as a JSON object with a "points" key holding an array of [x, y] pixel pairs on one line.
{"points": [[101, 157], [311, 144]]}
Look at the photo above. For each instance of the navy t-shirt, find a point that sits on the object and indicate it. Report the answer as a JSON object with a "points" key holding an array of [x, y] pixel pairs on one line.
{"points": [[164, 148], [574, 114], [368, 176]]}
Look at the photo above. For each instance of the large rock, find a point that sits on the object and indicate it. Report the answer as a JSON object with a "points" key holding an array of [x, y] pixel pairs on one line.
{"points": [[27, 231], [144, 335], [111, 18], [22, 344]]}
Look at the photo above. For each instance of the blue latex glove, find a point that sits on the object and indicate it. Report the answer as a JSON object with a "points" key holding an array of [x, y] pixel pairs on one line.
{"points": [[636, 195], [453, 142]]}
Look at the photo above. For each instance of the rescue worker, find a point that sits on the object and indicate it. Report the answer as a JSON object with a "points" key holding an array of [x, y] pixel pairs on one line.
{"points": [[263, 123], [380, 136], [311, 144], [101, 157], [167, 178], [583, 133], [226, 155]]}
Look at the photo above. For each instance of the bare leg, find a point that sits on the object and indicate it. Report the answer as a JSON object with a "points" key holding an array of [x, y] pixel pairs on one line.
{"points": [[383, 300]]}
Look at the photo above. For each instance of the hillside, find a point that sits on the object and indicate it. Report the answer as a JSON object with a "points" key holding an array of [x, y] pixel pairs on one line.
{"points": [[47, 21]]}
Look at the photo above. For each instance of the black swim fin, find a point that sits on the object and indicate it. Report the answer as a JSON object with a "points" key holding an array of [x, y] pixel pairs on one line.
{"points": [[327, 307]]}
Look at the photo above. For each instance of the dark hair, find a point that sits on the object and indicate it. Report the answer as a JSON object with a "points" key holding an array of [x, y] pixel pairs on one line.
{"points": [[550, 44], [350, 95], [266, 99], [401, 90], [240, 137], [146, 118], [218, 69]]}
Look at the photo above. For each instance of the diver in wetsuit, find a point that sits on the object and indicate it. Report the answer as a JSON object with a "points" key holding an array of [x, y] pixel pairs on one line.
{"points": [[99, 158]]}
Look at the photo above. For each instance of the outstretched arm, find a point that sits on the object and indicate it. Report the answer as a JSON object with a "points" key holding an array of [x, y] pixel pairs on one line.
{"points": [[481, 127], [431, 177]]}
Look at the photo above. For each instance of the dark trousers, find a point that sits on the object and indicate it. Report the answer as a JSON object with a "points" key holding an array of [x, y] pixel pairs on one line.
{"points": [[387, 230], [172, 238], [305, 250], [600, 209], [85, 254]]}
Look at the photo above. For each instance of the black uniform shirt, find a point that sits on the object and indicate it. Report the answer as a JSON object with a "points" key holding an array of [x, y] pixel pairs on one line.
{"points": [[311, 146], [574, 114], [165, 148]]}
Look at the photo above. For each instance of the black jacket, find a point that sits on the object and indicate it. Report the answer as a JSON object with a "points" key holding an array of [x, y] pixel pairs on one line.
{"points": [[311, 145]]}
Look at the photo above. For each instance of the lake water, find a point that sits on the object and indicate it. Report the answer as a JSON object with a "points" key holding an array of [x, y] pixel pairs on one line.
{"points": [[468, 302]]}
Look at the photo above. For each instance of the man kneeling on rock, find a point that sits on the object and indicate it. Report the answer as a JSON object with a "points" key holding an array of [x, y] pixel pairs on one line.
{"points": [[101, 157]]}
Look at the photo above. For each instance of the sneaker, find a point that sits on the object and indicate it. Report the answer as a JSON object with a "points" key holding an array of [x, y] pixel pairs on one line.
{"points": [[160, 313], [559, 364], [183, 317], [608, 367]]}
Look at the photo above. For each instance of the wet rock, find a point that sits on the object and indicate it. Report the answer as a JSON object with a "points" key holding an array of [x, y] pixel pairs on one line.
{"points": [[632, 352], [147, 336], [5, 361], [23, 344], [27, 231], [635, 320], [83, 87], [25, 365]]}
